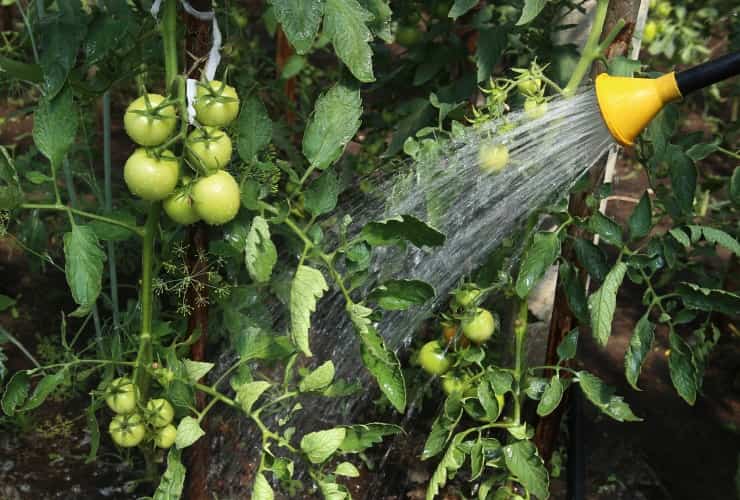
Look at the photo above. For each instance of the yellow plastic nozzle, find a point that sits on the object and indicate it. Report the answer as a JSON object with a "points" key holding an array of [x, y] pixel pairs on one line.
{"points": [[629, 104]]}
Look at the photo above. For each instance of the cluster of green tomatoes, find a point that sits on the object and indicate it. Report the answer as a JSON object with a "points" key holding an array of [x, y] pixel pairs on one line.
{"points": [[468, 323], [135, 421], [153, 171]]}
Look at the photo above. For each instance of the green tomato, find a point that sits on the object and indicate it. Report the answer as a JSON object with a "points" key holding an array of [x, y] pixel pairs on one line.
{"points": [[433, 359], [216, 198], [664, 9], [529, 87], [534, 109], [209, 149], [216, 104], [160, 412], [408, 35], [480, 326], [452, 384], [149, 177], [651, 30], [122, 395], [127, 430], [442, 9], [493, 157], [149, 128], [165, 437], [179, 207], [467, 297]]}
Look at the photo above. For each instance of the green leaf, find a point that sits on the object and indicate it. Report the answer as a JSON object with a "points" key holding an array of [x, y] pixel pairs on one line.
{"points": [[551, 396], [606, 228], [260, 253], [399, 295], [603, 397], [16, 392], [362, 436], [523, 462], [248, 394], [300, 20], [111, 232], [318, 379], [681, 367], [638, 349], [108, 31], [734, 186], [346, 469], [335, 120], [540, 255], [451, 462], [491, 45], [487, 399], [94, 432], [395, 230], [381, 363], [321, 196], [640, 220], [196, 370], [574, 291], [603, 302], [55, 126], [261, 490], [60, 42], [254, 128], [460, 7], [346, 24], [719, 237], [623, 66], [680, 236], [319, 446], [173, 480], [531, 10], [443, 427], [188, 432], [83, 267], [5, 303], [44, 388], [702, 150], [308, 286], [568, 346], [382, 16], [592, 258], [705, 299], [333, 491], [11, 194], [683, 178]]}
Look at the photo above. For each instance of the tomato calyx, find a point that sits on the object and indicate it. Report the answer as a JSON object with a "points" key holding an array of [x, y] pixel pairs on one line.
{"points": [[127, 431], [122, 396]]}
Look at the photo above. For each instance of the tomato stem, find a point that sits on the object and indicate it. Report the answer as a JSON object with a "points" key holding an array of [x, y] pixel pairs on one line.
{"points": [[64, 208], [590, 50], [520, 334]]}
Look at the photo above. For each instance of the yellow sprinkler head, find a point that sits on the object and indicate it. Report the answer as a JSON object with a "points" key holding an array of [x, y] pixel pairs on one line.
{"points": [[629, 104]]}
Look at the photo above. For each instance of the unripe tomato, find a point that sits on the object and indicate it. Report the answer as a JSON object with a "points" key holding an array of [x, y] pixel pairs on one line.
{"points": [[451, 383], [480, 326], [149, 177], [467, 297], [534, 109], [127, 430], [408, 35], [433, 359], [442, 9], [179, 207], [122, 395], [493, 158], [149, 128], [209, 149], [216, 198], [216, 104], [160, 412], [651, 29], [165, 437], [529, 87], [664, 9]]}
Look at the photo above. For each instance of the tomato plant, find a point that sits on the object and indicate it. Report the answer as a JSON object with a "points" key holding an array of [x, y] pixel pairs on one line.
{"points": [[127, 430]]}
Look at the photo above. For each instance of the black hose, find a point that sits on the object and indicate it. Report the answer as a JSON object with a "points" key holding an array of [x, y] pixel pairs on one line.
{"points": [[708, 73], [576, 468]]}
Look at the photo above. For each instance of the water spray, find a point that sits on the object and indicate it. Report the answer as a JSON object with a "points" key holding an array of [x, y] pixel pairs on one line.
{"points": [[629, 104]]}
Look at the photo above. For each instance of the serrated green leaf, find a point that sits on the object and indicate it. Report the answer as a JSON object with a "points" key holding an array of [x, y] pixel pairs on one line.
{"points": [[335, 120], [260, 254], [55, 126], [196, 370], [551, 397], [333, 491], [603, 397], [719, 237], [705, 299], [60, 44], [321, 196], [173, 480], [399, 295], [362, 436], [254, 128], [702, 150], [525, 464], [319, 446], [381, 363], [638, 349], [43, 389], [300, 20], [605, 227], [531, 10], [568, 346], [83, 267], [16, 392], [261, 490], [538, 257], [574, 292], [396, 230], [11, 194], [382, 17], [680, 236], [318, 379], [603, 302], [451, 461], [592, 258], [682, 369], [460, 7], [346, 469], [346, 24], [683, 176], [188, 432], [640, 220], [308, 287], [248, 394], [443, 427]]}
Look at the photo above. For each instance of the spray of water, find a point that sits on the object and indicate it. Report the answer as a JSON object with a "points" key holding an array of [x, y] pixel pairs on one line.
{"points": [[474, 208]]}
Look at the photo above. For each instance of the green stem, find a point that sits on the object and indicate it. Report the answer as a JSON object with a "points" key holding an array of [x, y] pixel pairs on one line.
{"points": [[64, 208], [13, 340], [520, 334], [729, 153], [590, 50], [168, 28], [108, 192], [212, 392]]}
